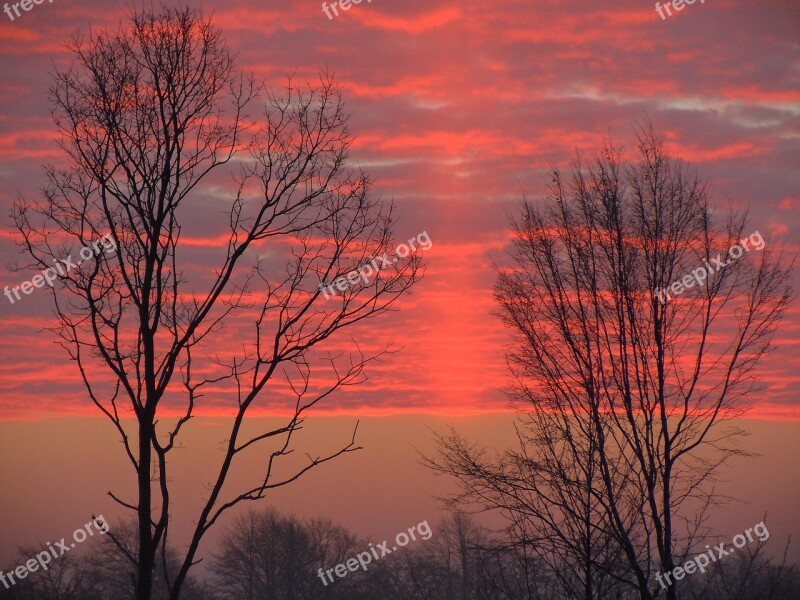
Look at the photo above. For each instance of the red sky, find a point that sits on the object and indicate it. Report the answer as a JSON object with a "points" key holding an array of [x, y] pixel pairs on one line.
{"points": [[457, 108]]}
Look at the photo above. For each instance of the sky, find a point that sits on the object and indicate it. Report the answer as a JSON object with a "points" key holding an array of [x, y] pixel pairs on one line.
{"points": [[458, 109]]}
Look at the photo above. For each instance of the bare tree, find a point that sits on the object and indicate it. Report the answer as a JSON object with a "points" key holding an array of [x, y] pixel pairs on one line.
{"points": [[555, 528], [628, 391], [748, 575], [109, 574], [98, 570], [267, 556], [444, 567], [147, 113], [65, 578], [463, 561]]}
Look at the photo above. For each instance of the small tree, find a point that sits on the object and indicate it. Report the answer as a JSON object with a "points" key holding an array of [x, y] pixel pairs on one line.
{"points": [[628, 391], [147, 114], [98, 570], [267, 556]]}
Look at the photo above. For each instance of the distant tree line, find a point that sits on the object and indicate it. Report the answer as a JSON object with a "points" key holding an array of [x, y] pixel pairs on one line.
{"points": [[270, 556]]}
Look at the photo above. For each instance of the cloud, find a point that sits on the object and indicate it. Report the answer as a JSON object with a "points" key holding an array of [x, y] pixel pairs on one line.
{"points": [[457, 109]]}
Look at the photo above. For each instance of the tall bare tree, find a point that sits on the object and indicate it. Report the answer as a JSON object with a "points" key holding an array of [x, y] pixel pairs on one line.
{"points": [[628, 390], [149, 113]]}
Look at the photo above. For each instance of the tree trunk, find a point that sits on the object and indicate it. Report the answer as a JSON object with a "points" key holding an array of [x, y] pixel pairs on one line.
{"points": [[146, 563]]}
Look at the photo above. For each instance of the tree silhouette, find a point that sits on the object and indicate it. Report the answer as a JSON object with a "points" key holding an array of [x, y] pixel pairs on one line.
{"points": [[267, 556], [149, 114], [628, 392]]}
